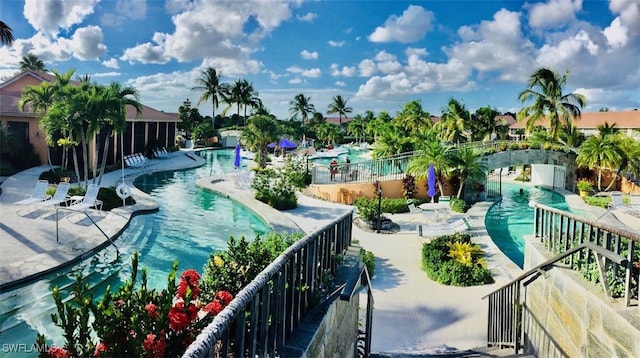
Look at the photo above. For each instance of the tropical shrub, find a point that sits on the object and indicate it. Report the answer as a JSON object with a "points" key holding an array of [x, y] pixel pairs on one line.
{"points": [[584, 185], [275, 188], [458, 205], [409, 188], [455, 260], [233, 269], [599, 201], [514, 146], [133, 321], [367, 208], [369, 260]]}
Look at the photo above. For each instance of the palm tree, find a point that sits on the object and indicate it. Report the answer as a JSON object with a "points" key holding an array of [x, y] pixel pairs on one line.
{"points": [[602, 151], [118, 99], [261, 131], [484, 124], [31, 62], [545, 89], [249, 98], [39, 99], [571, 137], [209, 84], [355, 127], [339, 105], [6, 34], [328, 132], [301, 105], [468, 167], [413, 117], [453, 122], [435, 151]]}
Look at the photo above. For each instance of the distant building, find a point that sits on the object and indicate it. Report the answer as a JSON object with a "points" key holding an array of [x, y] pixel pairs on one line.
{"points": [[627, 123], [152, 128]]}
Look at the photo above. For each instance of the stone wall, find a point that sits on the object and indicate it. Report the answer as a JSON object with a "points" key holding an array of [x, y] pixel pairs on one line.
{"points": [[565, 315]]}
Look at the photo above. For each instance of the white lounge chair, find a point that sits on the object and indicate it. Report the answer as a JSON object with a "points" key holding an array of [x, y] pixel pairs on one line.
{"points": [[89, 200], [60, 196], [444, 229], [39, 194]]}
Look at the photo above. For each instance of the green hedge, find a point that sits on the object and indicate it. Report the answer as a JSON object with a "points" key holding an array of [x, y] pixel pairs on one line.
{"points": [[443, 259]]}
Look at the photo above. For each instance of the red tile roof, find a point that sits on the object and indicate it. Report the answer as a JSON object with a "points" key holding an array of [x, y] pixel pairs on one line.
{"points": [[591, 120]]}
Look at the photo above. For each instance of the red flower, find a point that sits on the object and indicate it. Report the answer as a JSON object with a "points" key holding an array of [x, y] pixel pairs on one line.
{"points": [[183, 288], [224, 297], [214, 307], [178, 319], [154, 347], [152, 310], [192, 312], [191, 276], [101, 347], [58, 352]]}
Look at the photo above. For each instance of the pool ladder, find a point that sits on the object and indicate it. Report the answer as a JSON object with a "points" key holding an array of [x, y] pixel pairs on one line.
{"points": [[94, 224]]}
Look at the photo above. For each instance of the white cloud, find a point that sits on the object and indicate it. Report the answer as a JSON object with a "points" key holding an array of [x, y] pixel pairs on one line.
{"points": [[335, 43], [340, 84], [563, 53], [313, 72], [145, 53], [125, 10], [345, 71], [86, 43], [616, 34], [309, 55], [554, 13], [367, 68], [629, 11], [295, 81], [414, 23], [106, 74], [111, 63], [52, 15], [308, 17]]}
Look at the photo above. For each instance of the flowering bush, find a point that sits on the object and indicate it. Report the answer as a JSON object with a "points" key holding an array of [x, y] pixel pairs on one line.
{"points": [[134, 321]]}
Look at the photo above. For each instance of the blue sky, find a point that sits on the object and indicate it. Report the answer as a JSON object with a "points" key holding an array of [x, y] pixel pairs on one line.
{"points": [[379, 54]]}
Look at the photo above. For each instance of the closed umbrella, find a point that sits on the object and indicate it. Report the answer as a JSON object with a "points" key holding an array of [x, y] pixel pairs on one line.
{"points": [[431, 182], [238, 158]]}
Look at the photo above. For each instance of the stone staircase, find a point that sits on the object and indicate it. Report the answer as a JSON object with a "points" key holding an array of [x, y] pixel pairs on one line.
{"points": [[480, 352]]}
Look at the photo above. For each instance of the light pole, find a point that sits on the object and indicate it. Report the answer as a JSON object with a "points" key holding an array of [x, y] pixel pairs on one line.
{"points": [[379, 192]]}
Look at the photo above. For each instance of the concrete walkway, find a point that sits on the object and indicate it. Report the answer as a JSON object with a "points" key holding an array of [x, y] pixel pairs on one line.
{"points": [[412, 315]]}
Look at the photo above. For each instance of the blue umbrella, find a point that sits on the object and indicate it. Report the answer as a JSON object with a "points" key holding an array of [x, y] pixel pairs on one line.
{"points": [[237, 159], [284, 143], [432, 181]]}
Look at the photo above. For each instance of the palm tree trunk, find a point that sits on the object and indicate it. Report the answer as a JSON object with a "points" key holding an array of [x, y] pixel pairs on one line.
{"points": [[103, 163], [85, 157], [94, 164], [614, 180], [75, 163], [599, 178]]}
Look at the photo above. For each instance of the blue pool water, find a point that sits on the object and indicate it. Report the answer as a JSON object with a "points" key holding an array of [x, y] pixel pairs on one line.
{"points": [[511, 219], [190, 224]]}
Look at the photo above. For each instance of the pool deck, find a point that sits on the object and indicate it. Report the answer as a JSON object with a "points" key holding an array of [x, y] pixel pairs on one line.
{"points": [[413, 315]]}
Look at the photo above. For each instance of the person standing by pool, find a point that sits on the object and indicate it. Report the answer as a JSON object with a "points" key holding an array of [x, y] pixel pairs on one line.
{"points": [[346, 169], [333, 169]]}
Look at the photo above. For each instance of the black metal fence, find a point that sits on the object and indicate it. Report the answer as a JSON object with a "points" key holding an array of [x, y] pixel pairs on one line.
{"points": [[579, 244], [265, 313]]}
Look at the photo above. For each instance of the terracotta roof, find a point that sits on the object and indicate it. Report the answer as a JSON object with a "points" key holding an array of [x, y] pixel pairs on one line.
{"points": [[591, 120], [336, 120], [9, 101]]}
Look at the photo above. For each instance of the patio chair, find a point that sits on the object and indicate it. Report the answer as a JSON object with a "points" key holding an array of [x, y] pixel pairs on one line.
{"points": [[445, 229], [39, 194], [60, 196], [89, 200]]}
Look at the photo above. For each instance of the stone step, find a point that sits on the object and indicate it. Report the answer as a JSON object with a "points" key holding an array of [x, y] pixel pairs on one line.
{"points": [[481, 352]]}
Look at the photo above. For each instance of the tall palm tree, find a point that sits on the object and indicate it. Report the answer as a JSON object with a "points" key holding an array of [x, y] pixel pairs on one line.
{"points": [[261, 131], [339, 105], [209, 84], [601, 152], [328, 132], [468, 167], [39, 99], [356, 127], [435, 151], [31, 62], [453, 122], [484, 123], [301, 106], [118, 98], [549, 101], [413, 117], [6, 34]]}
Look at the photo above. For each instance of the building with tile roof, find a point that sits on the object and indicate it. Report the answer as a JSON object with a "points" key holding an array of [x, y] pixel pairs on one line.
{"points": [[150, 129]]}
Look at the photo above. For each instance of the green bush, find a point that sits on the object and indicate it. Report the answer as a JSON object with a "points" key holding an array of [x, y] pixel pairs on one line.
{"points": [[442, 264], [276, 188], [514, 146], [458, 205], [367, 208], [599, 201], [369, 260]]}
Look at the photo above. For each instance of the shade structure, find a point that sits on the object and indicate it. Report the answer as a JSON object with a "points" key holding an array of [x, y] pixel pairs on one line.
{"points": [[284, 143], [431, 182], [237, 159]]}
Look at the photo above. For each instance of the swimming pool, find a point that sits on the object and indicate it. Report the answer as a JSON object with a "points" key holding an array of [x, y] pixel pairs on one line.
{"points": [[189, 225], [511, 219]]}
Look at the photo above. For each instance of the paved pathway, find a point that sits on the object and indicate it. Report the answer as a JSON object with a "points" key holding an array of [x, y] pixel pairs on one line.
{"points": [[412, 313]]}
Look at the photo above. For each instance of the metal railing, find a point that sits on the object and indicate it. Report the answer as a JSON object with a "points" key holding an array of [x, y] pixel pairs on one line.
{"points": [[266, 312], [58, 208], [394, 167], [573, 239]]}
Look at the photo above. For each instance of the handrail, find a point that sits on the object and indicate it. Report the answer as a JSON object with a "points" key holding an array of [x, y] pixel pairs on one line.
{"points": [[265, 312], [566, 235], [94, 224]]}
